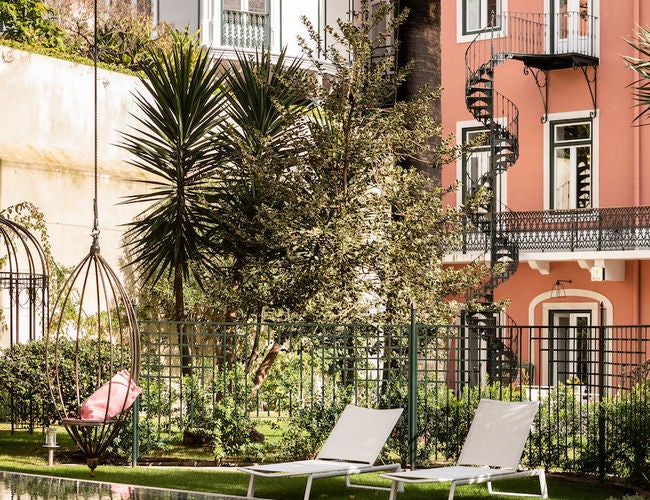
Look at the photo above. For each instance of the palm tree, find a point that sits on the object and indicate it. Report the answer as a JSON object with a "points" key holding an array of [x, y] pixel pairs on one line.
{"points": [[172, 145], [641, 65]]}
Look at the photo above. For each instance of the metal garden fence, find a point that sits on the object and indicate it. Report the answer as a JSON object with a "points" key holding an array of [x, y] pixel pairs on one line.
{"points": [[592, 382]]}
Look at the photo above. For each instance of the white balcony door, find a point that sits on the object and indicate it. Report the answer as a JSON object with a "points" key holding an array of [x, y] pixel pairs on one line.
{"points": [[574, 348], [573, 26], [572, 177]]}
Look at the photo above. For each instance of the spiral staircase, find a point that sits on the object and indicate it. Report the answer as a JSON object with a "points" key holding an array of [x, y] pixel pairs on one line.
{"points": [[499, 115], [543, 43]]}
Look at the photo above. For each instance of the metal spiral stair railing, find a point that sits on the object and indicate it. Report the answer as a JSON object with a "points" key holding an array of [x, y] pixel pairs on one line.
{"points": [[500, 116]]}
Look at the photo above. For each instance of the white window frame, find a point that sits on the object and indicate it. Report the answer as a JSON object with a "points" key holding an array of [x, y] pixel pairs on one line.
{"points": [[548, 158], [245, 6], [591, 307], [580, 299], [462, 37], [388, 47], [501, 180], [568, 347], [564, 193]]}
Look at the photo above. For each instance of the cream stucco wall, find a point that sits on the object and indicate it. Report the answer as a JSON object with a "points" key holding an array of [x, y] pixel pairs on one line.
{"points": [[47, 148], [47, 155]]}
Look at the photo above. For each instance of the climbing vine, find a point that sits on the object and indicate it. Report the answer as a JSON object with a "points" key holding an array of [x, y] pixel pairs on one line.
{"points": [[31, 218]]}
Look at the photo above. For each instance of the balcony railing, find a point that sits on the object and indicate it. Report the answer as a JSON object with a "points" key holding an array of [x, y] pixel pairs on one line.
{"points": [[249, 30], [592, 229], [546, 34]]}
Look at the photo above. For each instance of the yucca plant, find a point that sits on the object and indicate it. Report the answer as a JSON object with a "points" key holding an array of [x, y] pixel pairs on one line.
{"points": [[641, 65], [172, 145]]}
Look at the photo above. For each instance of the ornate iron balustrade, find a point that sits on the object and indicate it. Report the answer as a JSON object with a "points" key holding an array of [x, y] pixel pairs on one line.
{"points": [[249, 30], [595, 229]]}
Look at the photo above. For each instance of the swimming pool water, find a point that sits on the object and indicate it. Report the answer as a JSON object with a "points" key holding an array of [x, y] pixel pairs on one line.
{"points": [[18, 486]]}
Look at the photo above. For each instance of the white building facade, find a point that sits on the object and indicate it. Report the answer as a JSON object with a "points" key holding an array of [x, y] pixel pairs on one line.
{"points": [[229, 25]]}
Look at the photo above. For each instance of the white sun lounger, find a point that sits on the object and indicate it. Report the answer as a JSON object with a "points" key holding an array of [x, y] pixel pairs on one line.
{"points": [[351, 448], [491, 452]]}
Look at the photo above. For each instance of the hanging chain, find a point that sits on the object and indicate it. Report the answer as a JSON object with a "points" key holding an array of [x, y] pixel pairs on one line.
{"points": [[95, 231]]}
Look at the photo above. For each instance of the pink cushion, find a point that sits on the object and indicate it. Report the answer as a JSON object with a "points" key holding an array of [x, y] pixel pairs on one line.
{"points": [[112, 398]]}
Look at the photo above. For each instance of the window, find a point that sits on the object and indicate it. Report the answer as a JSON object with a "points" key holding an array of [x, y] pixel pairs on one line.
{"points": [[245, 23], [256, 6], [571, 184], [381, 46], [477, 163], [477, 14], [573, 348]]}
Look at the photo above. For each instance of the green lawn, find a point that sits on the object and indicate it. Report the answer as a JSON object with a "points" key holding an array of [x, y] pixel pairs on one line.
{"points": [[22, 452]]}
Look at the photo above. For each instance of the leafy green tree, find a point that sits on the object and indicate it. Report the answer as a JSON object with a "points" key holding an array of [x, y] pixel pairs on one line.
{"points": [[125, 34], [641, 65], [315, 217], [386, 227], [32, 22], [306, 211], [172, 146], [257, 197]]}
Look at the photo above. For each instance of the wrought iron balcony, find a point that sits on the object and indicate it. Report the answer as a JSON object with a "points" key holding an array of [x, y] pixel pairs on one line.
{"points": [[592, 229], [548, 41], [249, 30]]}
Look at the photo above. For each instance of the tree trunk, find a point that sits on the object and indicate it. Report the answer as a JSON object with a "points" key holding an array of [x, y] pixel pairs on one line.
{"points": [[419, 40], [256, 342], [231, 317], [186, 355], [265, 367]]}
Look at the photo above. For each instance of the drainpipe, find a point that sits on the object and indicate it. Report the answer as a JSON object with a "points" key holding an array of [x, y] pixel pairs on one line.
{"points": [[636, 175], [281, 22], [636, 131]]}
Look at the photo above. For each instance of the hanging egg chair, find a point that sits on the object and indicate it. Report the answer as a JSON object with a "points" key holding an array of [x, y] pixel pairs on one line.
{"points": [[93, 349], [93, 355]]}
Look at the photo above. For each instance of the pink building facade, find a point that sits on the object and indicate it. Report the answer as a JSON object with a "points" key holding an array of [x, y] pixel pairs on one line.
{"points": [[567, 165]]}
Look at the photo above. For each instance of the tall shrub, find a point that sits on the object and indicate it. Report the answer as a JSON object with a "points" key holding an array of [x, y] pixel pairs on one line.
{"points": [[32, 22]]}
